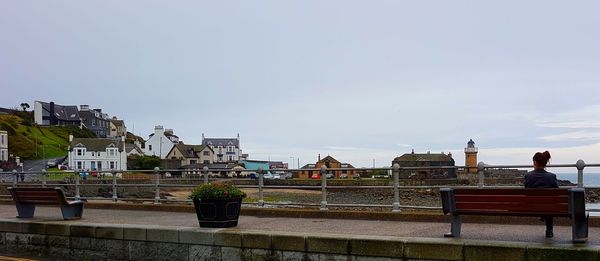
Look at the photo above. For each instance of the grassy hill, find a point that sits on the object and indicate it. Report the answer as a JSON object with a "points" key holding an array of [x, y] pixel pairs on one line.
{"points": [[35, 142]]}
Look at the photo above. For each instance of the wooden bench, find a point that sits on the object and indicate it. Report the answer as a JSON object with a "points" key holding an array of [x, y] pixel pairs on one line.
{"points": [[27, 198], [560, 202]]}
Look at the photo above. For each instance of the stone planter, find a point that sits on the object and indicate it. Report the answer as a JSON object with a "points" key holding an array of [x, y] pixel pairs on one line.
{"points": [[218, 212]]}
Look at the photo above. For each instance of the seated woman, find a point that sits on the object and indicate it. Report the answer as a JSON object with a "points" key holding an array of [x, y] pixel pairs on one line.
{"points": [[540, 178]]}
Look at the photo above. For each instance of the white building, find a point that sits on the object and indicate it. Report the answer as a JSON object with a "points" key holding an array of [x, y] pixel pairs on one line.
{"points": [[97, 154], [226, 150], [3, 145], [160, 142]]}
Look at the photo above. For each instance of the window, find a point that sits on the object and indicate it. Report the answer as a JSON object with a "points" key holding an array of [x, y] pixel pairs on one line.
{"points": [[206, 162], [149, 147], [230, 158], [79, 152], [111, 164], [206, 153], [79, 165], [192, 161], [111, 152]]}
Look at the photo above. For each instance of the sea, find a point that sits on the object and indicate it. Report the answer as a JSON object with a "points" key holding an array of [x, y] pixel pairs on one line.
{"points": [[589, 179]]}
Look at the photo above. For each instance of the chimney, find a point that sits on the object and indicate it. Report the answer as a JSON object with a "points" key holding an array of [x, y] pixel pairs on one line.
{"points": [[84, 107], [169, 131], [159, 129], [319, 157], [53, 120]]}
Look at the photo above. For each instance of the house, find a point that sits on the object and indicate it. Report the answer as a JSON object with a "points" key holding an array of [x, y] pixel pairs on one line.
{"points": [[330, 163], [160, 142], [95, 121], [117, 128], [272, 165], [97, 154], [191, 154], [226, 150], [426, 160], [3, 145], [53, 114]]}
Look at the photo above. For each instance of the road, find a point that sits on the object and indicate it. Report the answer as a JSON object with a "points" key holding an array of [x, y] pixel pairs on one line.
{"points": [[37, 165]]}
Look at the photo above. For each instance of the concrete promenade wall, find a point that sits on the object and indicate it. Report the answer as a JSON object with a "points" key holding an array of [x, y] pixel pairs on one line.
{"points": [[59, 239]]}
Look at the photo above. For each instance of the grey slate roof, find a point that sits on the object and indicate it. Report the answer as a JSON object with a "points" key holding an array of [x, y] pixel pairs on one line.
{"points": [[62, 112], [224, 142], [424, 157], [96, 144], [129, 147], [118, 123], [189, 151]]}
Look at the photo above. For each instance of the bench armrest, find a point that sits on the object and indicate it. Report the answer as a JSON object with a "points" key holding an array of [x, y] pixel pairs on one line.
{"points": [[448, 200]]}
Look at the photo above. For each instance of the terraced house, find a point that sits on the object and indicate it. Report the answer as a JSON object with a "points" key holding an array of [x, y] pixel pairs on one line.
{"points": [[226, 150], [97, 154]]}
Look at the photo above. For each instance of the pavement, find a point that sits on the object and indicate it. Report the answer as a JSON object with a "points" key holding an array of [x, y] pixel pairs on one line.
{"points": [[351, 227]]}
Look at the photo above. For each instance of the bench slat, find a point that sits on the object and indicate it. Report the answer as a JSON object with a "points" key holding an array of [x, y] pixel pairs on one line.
{"points": [[512, 198], [504, 213], [527, 192], [54, 197], [513, 207]]}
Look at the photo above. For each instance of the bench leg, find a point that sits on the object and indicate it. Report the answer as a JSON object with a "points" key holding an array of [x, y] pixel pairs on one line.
{"points": [[580, 229], [455, 225], [25, 210], [72, 211]]}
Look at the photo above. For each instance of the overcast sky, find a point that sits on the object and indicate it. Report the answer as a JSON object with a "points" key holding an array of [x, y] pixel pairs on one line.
{"points": [[358, 80]]}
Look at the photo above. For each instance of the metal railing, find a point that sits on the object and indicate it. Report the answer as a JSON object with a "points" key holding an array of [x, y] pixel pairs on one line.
{"points": [[111, 180]]}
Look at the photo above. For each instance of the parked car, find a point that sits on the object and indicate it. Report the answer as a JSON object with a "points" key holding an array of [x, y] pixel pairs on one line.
{"points": [[51, 163], [344, 176], [276, 176], [315, 176], [286, 175], [268, 175], [329, 176], [253, 175]]}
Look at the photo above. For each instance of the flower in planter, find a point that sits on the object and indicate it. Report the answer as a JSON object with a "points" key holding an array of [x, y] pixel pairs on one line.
{"points": [[223, 191]]}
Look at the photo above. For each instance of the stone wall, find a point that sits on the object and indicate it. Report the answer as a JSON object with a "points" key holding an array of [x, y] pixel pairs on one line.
{"points": [[81, 241]]}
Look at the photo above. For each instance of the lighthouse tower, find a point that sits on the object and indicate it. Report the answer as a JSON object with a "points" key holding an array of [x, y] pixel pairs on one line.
{"points": [[471, 157]]}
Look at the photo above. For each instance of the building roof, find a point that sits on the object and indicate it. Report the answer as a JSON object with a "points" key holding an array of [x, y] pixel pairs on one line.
{"points": [[117, 123], [96, 144], [215, 142], [129, 147], [189, 151], [63, 112], [329, 159], [424, 157]]}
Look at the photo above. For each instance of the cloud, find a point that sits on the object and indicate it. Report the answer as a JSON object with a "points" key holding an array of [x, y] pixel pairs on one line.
{"points": [[573, 136], [404, 145], [582, 118]]}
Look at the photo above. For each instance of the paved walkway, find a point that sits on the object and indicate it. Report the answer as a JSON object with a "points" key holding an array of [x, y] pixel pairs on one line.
{"points": [[494, 232]]}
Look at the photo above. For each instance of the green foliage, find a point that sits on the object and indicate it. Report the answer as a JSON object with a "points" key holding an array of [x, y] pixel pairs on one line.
{"points": [[217, 191], [143, 162], [30, 141]]}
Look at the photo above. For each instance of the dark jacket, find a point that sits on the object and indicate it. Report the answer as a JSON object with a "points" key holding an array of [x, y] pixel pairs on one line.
{"points": [[540, 179]]}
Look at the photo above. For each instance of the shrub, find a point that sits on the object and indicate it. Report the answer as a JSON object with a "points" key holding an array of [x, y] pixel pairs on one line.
{"points": [[213, 191]]}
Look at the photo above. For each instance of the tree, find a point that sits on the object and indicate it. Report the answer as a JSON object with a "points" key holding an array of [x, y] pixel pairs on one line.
{"points": [[25, 106]]}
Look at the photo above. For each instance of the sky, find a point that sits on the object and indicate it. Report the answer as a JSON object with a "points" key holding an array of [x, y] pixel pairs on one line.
{"points": [[362, 81]]}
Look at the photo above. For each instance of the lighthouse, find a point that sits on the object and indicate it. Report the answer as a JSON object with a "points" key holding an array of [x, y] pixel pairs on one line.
{"points": [[471, 157]]}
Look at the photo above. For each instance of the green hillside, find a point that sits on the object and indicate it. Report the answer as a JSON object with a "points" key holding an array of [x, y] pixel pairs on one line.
{"points": [[35, 142]]}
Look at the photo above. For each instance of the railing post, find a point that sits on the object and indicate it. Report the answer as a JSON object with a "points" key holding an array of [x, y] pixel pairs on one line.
{"points": [[323, 188], [114, 186], [261, 181], [157, 186], [44, 178], [16, 176], [480, 171], [396, 174], [205, 172], [580, 166], [77, 176]]}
